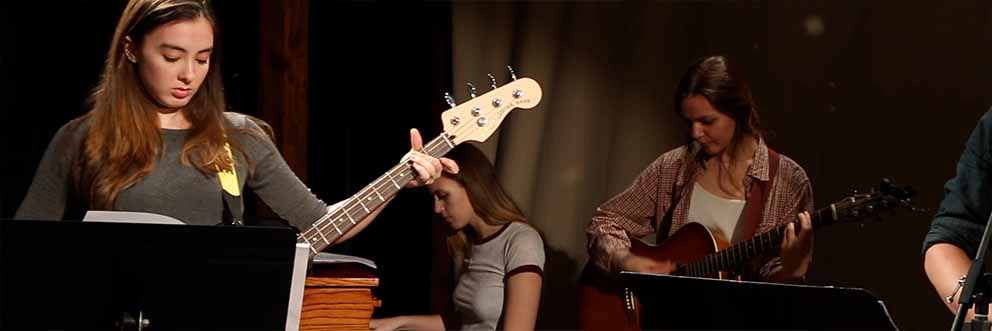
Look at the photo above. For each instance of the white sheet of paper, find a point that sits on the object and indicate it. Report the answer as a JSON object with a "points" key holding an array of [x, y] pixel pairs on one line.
{"points": [[295, 311], [128, 217], [328, 258]]}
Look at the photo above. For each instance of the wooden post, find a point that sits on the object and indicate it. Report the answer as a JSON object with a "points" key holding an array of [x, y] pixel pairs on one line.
{"points": [[282, 79]]}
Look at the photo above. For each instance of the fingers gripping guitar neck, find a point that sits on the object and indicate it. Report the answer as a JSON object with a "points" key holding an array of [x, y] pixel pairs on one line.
{"points": [[336, 223]]}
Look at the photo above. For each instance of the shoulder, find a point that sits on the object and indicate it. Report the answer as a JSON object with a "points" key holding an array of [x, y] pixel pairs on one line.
{"points": [[986, 120], [247, 128], [523, 246], [671, 161], [520, 233], [238, 121], [674, 156], [790, 167], [983, 130], [523, 242], [72, 133], [790, 172]]}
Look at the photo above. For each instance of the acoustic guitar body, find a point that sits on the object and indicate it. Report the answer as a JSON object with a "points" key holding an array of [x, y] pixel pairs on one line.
{"points": [[606, 304]]}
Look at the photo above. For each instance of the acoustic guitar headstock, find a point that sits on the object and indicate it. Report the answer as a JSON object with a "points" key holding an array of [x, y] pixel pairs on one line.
{"points": [[885, 197]]}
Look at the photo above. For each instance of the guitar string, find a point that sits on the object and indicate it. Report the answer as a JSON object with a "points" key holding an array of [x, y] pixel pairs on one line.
{"points": [[352, 202], [432, 148], [736, 252], [440, 141]]}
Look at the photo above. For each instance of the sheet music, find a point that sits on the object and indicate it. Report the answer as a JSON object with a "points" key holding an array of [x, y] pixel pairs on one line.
{"points": [[328, 258], [296, 289], [887, 314], [128, 217]]}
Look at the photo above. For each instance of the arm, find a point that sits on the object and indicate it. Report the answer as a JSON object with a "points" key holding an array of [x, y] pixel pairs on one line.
{"points": [[958, 225], [632, 212], [428, 169], [945, 264], [48, 196], [361, 224], [291, 199], [796, 252], [525, 259], [523, 297], [410, 322]]}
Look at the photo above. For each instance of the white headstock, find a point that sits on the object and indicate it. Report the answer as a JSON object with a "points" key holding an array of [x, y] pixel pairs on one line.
{"points": [[478, 118]]}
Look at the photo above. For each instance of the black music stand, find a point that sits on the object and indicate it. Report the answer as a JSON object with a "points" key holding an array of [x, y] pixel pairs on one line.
{"points": [[686, 303], [62, 275]]}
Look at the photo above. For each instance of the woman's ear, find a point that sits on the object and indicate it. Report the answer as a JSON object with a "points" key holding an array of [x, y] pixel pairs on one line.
{"points": [[128, 46]]}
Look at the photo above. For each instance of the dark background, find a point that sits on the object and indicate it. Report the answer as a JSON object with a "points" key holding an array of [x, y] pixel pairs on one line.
{"points": [[894, 93]]}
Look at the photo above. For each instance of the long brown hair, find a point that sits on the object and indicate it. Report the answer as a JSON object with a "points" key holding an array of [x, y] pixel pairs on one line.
{"points": [[123, 141], [489, 201], [721, 83]]}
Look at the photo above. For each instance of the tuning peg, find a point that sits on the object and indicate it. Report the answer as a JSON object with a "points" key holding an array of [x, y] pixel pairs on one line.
{"points": [[493, 80], [471, 90], [512, 74], [448, 99]]}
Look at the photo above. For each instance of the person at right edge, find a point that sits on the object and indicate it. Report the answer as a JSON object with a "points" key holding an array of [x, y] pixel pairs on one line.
{"points": [[958, 226]]}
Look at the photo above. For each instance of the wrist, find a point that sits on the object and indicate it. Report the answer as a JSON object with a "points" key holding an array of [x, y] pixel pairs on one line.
{"points": [[786, 275], [624, 261]]}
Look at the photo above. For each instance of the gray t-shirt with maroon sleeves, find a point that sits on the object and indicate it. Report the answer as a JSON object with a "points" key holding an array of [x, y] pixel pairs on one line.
{"points": [[478, 297]]}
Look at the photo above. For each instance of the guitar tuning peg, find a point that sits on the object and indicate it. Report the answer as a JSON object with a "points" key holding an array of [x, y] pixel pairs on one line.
{"points": [[512, 74], [493, 80], [471, 90], [448, 99], [886, 184]]}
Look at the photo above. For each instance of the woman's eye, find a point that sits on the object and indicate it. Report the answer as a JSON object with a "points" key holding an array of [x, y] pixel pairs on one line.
{"points": [[171, 59], [201, 61]]}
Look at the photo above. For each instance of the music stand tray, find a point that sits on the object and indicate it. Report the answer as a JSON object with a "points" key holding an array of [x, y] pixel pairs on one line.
{"points": [[687, 303], [65, 275]]}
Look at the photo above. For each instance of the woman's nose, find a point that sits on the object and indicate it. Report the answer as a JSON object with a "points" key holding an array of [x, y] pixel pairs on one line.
{"points": [[697, 131], [186, 75]]}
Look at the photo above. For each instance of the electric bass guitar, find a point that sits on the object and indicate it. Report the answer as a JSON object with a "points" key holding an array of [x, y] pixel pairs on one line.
{"points": [[473, 120]]}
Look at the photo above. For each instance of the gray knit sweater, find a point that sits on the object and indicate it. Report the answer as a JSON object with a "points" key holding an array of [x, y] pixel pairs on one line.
{"points": [[175, 190]]}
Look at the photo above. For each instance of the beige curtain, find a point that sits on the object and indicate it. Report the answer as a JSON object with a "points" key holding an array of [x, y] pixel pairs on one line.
{"points": [[604, 115]]}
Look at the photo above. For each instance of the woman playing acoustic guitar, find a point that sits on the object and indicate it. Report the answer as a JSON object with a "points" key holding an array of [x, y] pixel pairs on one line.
{"points": [[724, 178]]}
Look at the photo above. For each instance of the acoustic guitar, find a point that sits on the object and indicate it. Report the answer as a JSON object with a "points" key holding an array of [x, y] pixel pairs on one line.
{"points": [[606, 304]]}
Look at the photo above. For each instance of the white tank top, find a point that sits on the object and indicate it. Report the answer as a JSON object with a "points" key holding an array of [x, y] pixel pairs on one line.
{"points": [[720, 215]]}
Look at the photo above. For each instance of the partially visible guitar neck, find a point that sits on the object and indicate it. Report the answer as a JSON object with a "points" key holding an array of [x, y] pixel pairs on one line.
{"points": [[473, 120], [734, 256], [331, 226]]}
